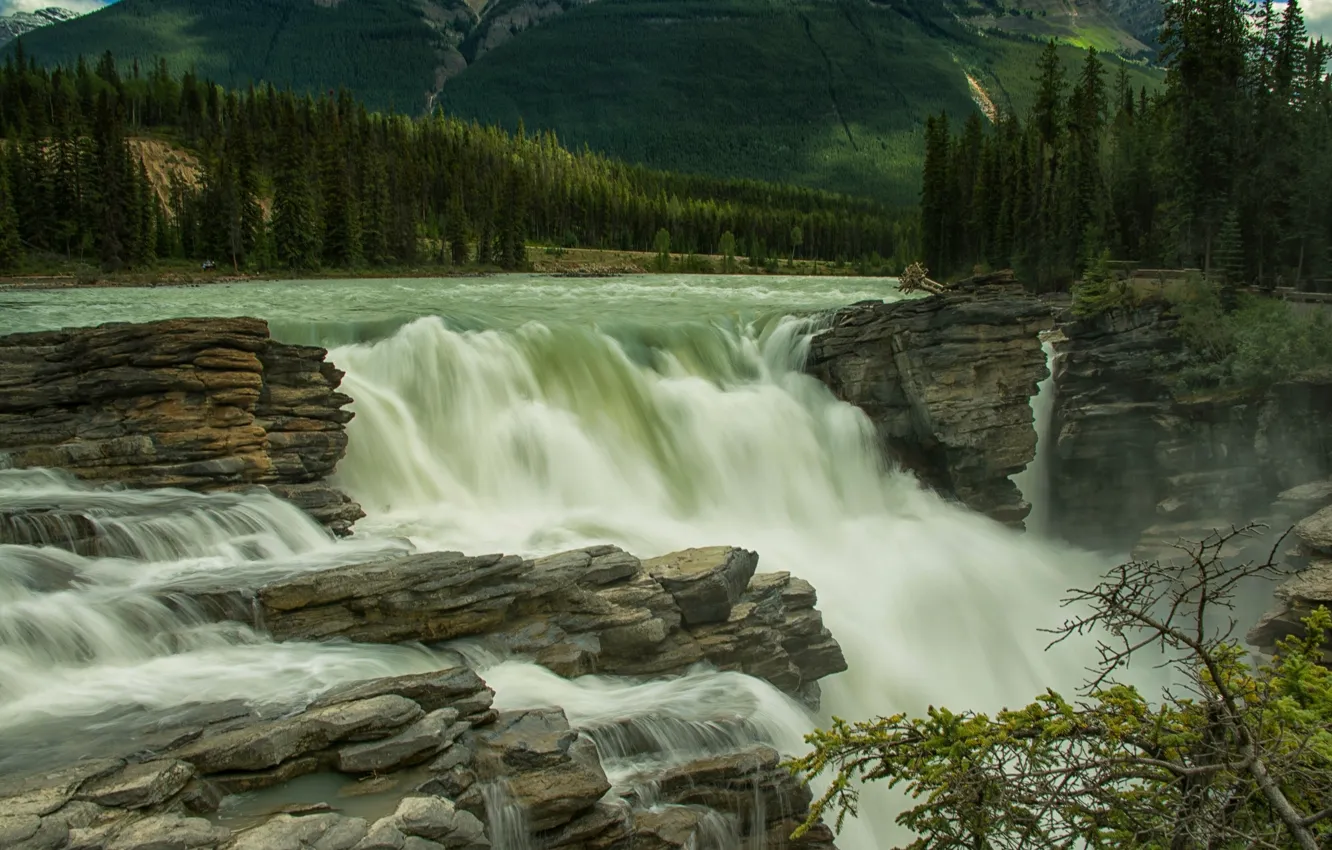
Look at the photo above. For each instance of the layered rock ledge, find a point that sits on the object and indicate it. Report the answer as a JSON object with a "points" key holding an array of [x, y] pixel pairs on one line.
{"points": [[429, 763], [1137, 465], [947, 381], [202, 404], [426, 758], [1311, 585], [595, 610]]}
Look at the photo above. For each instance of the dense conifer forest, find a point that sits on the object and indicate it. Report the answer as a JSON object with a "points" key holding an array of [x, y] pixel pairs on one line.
{"points": [[293, 182], [1227, 168]]}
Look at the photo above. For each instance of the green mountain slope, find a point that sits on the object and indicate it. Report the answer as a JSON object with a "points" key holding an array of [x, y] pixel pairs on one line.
{"points": [[388, 51], [828, 94], [825, 93]]}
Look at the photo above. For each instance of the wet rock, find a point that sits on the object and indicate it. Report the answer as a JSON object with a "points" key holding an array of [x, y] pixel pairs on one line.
{"points": [[167, 832], [1296, 598], [1315, 532], [437, 819], [705, 583], [383, 835], [202, 404], [268, 744], [137, 786], [605, 826], [412, 745], [551, 771], [431, 691], [45, 792], [677, 827], [17, 828], [947, 381], [739, 783], [323, 831]]}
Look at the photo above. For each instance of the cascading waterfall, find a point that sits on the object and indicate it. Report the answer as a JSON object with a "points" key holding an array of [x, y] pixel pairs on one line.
{"points": [[80, 634], [1034, 481], [484, 434], [548, 437]]}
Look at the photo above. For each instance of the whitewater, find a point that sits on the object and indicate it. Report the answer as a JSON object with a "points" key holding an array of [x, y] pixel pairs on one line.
{"points": [[532, 416]]}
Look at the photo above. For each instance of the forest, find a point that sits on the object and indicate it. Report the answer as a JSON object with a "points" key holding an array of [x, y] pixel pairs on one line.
{"points": [[1225, 168], [294, 182]]}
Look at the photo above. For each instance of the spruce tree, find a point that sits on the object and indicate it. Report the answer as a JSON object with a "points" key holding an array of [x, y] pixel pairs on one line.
{"points": [[11, 248]]}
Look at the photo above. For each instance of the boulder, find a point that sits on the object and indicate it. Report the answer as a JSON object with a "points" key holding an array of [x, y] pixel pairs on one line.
{"points": [[413, 745], [947, 382], [201, 404], [550, 771], [705, 583], [139, 786], [1315, 532]]}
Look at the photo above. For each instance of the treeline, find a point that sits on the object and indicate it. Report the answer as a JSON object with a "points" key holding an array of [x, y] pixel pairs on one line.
{"points": [[1226, 168], [288, 182]]}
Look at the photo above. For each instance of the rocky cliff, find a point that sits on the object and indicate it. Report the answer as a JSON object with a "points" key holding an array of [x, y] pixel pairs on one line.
{"points": [[1137, 466], [19, 23], [947, 381], [202, 404], [429, 761]]}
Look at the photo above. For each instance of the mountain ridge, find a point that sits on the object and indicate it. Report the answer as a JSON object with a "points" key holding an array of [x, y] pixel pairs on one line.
{"points": [[17, 24], [823, 93]]}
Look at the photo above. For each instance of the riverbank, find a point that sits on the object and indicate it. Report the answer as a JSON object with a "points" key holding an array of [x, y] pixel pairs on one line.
{"points": [[573, 262]]}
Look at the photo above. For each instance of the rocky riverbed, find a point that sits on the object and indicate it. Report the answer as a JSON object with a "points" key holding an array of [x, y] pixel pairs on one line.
{"points": [[426, 759]]}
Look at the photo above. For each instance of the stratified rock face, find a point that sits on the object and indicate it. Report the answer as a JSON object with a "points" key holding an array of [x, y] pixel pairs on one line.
{"points": [[1135, 467], [1311, 586], [203, 404], [591, 610], [947, 381], [451, 789]]}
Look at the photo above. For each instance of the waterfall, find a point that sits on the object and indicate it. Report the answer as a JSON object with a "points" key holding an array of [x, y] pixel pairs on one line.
{"points": [[79, 634], [547, 437], [1034, 481]]}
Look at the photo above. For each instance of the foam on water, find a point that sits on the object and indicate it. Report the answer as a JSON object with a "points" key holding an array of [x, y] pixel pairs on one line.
{"points": [[485, 432], [543, 438]]}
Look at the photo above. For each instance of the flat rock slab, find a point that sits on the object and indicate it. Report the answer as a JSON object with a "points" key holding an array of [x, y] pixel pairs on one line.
{"points": [[706, 583]]}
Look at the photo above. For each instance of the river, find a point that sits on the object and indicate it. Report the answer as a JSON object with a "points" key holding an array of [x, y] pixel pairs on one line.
{"points": [[529, 415]]}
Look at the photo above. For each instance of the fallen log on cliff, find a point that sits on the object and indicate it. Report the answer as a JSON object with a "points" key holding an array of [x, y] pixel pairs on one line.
{"points": [[201, 404]]}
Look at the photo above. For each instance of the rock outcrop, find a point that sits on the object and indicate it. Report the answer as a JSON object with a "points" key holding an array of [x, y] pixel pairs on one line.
{"points": [[474, 773], [947, 381], [427, 754], [596, 610], [1311, 585], [202, 404], [1137, 466]]}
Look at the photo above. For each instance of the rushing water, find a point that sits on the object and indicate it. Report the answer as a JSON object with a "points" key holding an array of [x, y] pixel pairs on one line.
{"points": [[531, 415]]}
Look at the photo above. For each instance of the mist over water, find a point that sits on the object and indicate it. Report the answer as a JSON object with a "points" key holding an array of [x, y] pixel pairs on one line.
{"points": [[652, 413], [545, 438]]}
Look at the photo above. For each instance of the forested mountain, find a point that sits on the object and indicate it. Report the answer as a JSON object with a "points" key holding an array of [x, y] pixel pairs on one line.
{"points": [[824, 94], [290, 182], [20, 23], [1227, 168]]}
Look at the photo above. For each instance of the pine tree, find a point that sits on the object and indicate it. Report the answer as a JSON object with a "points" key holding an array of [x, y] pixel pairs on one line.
{"points": [[295, 227], [1230, 260], [456, 234], [11, 248]]}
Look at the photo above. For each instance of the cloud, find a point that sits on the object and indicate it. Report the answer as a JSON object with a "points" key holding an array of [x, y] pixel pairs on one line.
{"points": [[9, 6], [1317, 17]]}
